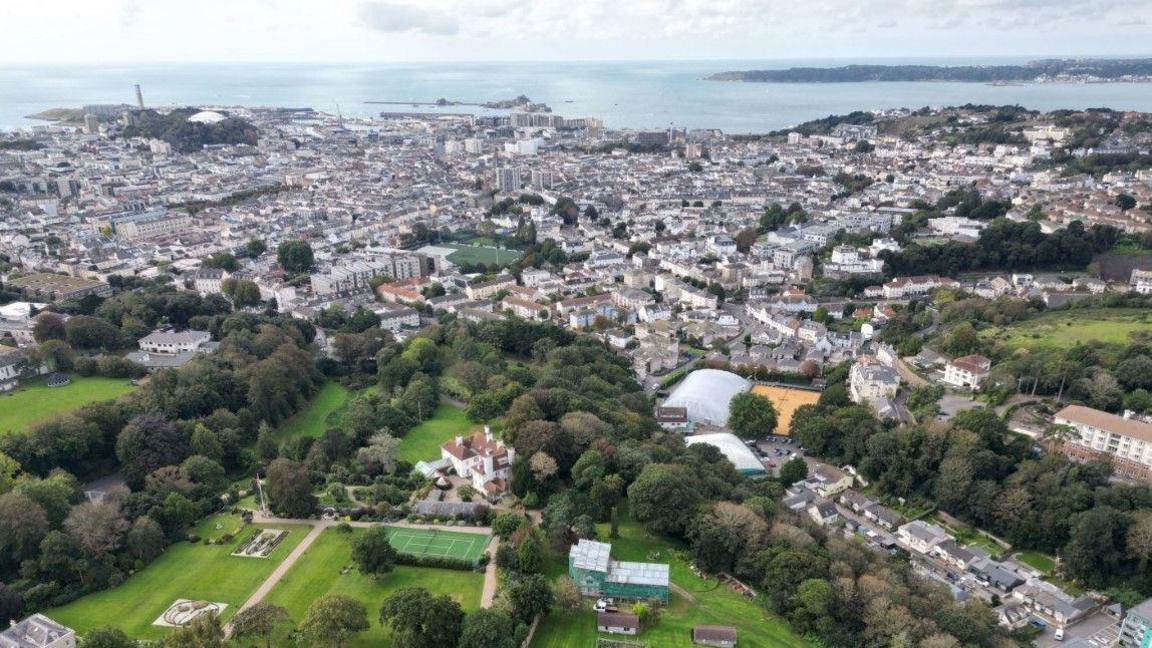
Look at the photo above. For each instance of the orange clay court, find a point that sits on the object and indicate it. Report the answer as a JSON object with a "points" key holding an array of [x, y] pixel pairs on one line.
{"points": [[787, 400]]}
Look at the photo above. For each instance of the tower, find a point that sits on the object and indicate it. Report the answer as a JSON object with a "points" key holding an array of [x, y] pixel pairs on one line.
{"points": [[139, 97]]}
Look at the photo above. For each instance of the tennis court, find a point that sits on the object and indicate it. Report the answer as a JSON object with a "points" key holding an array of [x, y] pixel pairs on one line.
{"points": [[432, 542]]}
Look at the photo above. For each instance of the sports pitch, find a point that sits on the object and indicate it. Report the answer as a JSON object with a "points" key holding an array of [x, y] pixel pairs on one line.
{"points": [[438, 544]]}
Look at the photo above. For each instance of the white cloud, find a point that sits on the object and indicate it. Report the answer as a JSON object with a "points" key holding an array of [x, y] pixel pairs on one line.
{"points": [[402, 18]]}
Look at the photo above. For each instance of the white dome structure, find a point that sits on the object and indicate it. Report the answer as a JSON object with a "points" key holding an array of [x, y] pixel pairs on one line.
{"points": [[207, 117], [706, 393]]}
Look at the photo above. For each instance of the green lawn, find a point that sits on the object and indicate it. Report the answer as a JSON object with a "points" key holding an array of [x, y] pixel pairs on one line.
{"points": [[1067, 328], [318, 573], [423, 441], [35, 402], [318, 415], [477, 254], [714, 603], [1037, 560], [185, 570]]}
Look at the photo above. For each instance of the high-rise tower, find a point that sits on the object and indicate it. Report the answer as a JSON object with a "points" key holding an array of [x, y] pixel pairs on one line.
{"points": [[139, 97]]}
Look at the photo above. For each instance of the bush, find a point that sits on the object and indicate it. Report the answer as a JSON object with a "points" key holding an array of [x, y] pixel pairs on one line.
{"points": [[439, 562], [193, 538]]}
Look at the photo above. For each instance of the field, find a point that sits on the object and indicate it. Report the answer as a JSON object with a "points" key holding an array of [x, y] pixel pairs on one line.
{"points": [[1038, 561], [708, 602], [480, 254], [314, 418], [1067, 328], [430, 542], [35, 402], [185, 570], [422, 443], [318, 572], [787, 400]]}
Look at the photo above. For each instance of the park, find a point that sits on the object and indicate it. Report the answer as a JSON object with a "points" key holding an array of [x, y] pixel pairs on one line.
{"points": [[1067, 328], [35, 402]]}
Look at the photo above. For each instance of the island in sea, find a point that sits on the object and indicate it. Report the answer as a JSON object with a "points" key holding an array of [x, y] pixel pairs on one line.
{"points": [[1042, 71]]}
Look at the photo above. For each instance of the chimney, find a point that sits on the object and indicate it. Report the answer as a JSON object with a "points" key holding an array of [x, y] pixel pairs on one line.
{"points": [[487, 433], [459, 440]]}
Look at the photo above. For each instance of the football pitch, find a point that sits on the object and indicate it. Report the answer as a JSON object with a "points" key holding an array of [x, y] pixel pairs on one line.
{"points": [[435, 543]]}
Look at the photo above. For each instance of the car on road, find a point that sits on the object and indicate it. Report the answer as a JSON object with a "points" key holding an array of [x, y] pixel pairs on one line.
{"points": [[1059, 636]]}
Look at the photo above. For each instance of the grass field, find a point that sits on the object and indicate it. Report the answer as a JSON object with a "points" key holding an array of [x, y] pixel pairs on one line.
{"points": [[423, 441], [478, 254], [185, 570], [1067, 328], [1037, 560], [316, 416], [710, 603], [35, 402], [430, 542], [786, 400], [318, 573]]}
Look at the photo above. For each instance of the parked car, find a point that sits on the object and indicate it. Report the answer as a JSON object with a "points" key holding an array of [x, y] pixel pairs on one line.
{"points": [[1059, 636]]}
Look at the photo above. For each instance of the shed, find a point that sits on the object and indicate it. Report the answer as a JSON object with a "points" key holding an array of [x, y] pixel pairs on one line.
{"points": [[618, 623], [714, 635]]}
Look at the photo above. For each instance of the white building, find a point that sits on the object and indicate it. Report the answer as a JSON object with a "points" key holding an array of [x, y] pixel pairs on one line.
{"points": [[37, 631], [11, 361], [870, 380], [483, 459], [967, 372]]}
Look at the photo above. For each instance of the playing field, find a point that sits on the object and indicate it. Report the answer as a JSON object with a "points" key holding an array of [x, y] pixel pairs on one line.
{"points": [[431, 542], [1068, 328], [35, 402], [480, 254], [786, 400]]}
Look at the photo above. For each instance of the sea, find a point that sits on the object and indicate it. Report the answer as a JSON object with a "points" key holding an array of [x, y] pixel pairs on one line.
{"points": [[624, 94]]}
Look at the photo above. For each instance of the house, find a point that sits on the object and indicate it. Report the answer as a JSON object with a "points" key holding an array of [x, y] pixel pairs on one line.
{"points": [[921, 536], [485, 460], [992, 574], [952, 553], [395, 318], [486, 289], [868, 380], [37, 631], [618, 623], [967, 372], [823, 513], [592, 569], [1051, 601], [1126, 441], [673, 418], [714, 635], [11, 363]]}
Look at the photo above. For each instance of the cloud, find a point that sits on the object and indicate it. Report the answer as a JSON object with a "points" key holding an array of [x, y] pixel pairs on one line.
{"points": [[399, 18], [129, 12]]}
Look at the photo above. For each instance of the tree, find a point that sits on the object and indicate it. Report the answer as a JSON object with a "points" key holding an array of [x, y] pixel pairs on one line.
{"points": [[566, 596], [107, 638], [664, 497], [260, 620], [793, 471], [148, 442], [24, 527], [491, 629], [49, 326], [145, 540], [96, 527], [528, 597], [751, 415], [506, 523], [374, 554], [254, 248], [543, 467], [379, 456], [332, 619], [205, 442], [294, 256], [203, 632], [289, 489], [11, 605], [1125, 202], [242, 292], [9, 470], [420, 620], [266, 445], [91, 333]]}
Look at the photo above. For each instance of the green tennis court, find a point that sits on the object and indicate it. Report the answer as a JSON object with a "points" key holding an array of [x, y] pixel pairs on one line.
{"points": [[432, 542]]}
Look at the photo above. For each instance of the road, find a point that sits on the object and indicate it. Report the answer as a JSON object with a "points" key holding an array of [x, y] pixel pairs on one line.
{"points": [[487, 596]]}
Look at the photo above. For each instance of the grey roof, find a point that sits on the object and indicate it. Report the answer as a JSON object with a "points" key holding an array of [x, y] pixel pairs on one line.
{"points": [[34, 632], [173, 337], [429, 507], [160, 360], [590, 555], [638, 573]]}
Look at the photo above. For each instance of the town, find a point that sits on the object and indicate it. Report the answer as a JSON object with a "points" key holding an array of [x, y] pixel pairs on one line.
{"points": [[884, 315]]}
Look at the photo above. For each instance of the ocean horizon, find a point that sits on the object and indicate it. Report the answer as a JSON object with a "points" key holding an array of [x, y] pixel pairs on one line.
{"points": [[624, 94]]}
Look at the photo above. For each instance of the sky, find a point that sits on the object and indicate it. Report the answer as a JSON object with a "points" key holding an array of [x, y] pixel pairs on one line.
{"points": [[162, 31]]}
